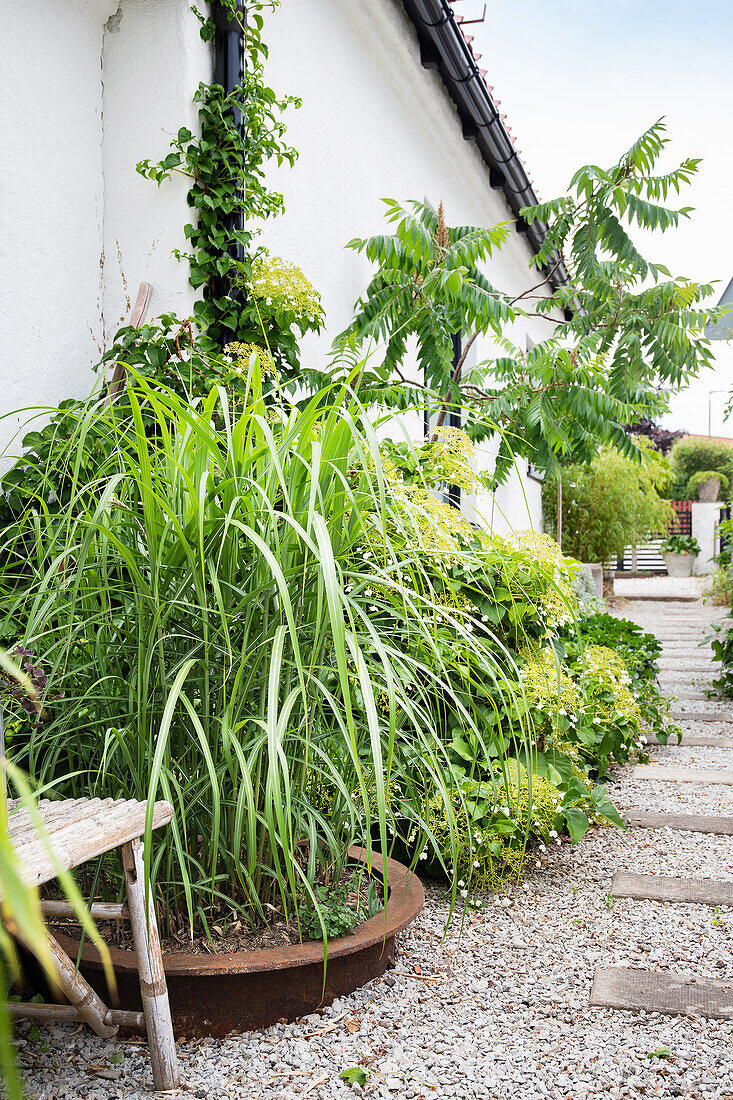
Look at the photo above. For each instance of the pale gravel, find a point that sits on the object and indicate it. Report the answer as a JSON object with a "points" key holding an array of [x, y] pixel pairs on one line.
{"points": [[508, 1016]]}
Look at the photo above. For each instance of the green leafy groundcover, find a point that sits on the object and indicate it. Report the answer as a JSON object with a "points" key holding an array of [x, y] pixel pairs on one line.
{"points": [[721, 641]]}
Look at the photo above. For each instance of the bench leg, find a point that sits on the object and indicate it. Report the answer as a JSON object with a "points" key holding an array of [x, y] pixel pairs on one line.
{"points": [[156, 1008], [90, 1007]]}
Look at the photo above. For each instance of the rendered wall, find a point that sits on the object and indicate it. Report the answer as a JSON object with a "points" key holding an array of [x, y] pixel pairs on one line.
{"points": [[375, 123], [153, 61], [51, 208], [705, 519], [87, 89]]}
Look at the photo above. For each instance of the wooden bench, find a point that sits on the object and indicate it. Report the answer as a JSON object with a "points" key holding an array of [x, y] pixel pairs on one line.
{"points": [[78, 830]]}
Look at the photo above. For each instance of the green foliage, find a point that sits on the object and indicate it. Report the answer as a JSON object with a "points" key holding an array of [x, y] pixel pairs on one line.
{"points": [[721, 641], [228, 193], [338, 908], [354, 1075], [229, 618], [428, 285], [722, 589], [609, 503], [697, 480], [584, 586], [639, 651], [691, 457], [627, 324], [680, 544]]}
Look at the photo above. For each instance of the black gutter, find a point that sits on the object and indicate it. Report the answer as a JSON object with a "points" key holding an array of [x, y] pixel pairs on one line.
{"points": [[443, 47]]}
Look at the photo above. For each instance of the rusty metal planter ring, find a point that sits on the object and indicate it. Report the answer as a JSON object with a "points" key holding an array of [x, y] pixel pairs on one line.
{"points": [[246, 990]]}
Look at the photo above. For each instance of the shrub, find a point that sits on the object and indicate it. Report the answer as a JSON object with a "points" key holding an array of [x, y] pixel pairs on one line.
{"points": [[640, 652], [504, 817], [584, 586], [693, 456], [234, 614], [701, 477], [722, 587], [611, 503]]}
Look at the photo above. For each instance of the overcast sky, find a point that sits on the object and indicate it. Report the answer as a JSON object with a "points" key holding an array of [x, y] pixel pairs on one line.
{"points": [[579, 81]]}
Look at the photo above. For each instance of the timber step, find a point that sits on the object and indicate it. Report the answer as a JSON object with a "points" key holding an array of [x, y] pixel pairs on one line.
{"points": [[657, 991], [683, 775], [684, 823], [700, 716], [693, 741], [695, 891]]}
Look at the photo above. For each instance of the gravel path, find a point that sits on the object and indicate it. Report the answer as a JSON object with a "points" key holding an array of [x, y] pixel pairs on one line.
{"points": [[497, 1008]]}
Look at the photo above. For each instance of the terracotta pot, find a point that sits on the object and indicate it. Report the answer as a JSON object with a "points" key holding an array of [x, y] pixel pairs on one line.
{"points": [[679, 565], [247, 990]]}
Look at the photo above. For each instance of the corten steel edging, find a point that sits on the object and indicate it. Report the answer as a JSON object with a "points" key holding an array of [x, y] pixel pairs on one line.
{"points": [[246, 990]]}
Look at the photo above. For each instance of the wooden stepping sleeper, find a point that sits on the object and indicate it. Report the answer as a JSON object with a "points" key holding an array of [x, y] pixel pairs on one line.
{"points": [[657, 991], [684, 823], [682, 775], [695, 891]]}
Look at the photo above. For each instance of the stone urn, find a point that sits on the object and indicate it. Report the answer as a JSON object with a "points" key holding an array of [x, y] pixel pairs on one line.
{"points": [[679, 565], [595, 568], [709, 491]]}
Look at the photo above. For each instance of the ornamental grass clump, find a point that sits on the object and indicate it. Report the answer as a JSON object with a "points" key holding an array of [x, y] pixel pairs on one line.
{"points": [[218, 611]]}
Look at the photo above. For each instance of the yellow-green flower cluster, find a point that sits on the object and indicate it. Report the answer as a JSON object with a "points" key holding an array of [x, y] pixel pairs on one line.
{"points": [[545, 681], [604, 666], [240, 356], [557, 602], [279, 283], [484, 859], [456, 453], [440, 528]]}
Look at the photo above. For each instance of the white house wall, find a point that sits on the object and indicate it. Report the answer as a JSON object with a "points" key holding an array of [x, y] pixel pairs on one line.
{"points": [[154, 59], [87, 89], [51, 204], [375, 123]]}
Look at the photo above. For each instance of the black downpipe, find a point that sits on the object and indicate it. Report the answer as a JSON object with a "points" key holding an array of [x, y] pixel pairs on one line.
{"points": [[454, 419], [229, 72]]}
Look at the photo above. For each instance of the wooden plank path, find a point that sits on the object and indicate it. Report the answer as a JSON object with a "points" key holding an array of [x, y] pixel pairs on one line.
{"points": [[682, 775], [693, 741], [694, 891], [684, 823], [657, 991], [701, 716], [682, 668]]}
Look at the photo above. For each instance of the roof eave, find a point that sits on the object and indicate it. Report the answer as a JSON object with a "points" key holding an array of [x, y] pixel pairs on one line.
{"points": [[444, 48]]}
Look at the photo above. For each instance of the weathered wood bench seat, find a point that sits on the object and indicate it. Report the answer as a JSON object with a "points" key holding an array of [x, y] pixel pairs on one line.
{"points": [[78, 830]]}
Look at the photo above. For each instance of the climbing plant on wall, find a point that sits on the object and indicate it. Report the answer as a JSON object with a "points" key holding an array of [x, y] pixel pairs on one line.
{"points": [[246, 295]]}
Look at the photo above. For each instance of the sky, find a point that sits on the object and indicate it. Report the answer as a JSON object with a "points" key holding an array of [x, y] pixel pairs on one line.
{"points": [[579, 82]]}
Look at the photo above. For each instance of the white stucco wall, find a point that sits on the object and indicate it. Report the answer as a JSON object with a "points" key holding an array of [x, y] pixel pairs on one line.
{"points": [[705, 519], [87, 89], [51, 204], [375, 123], [153, 61]]}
